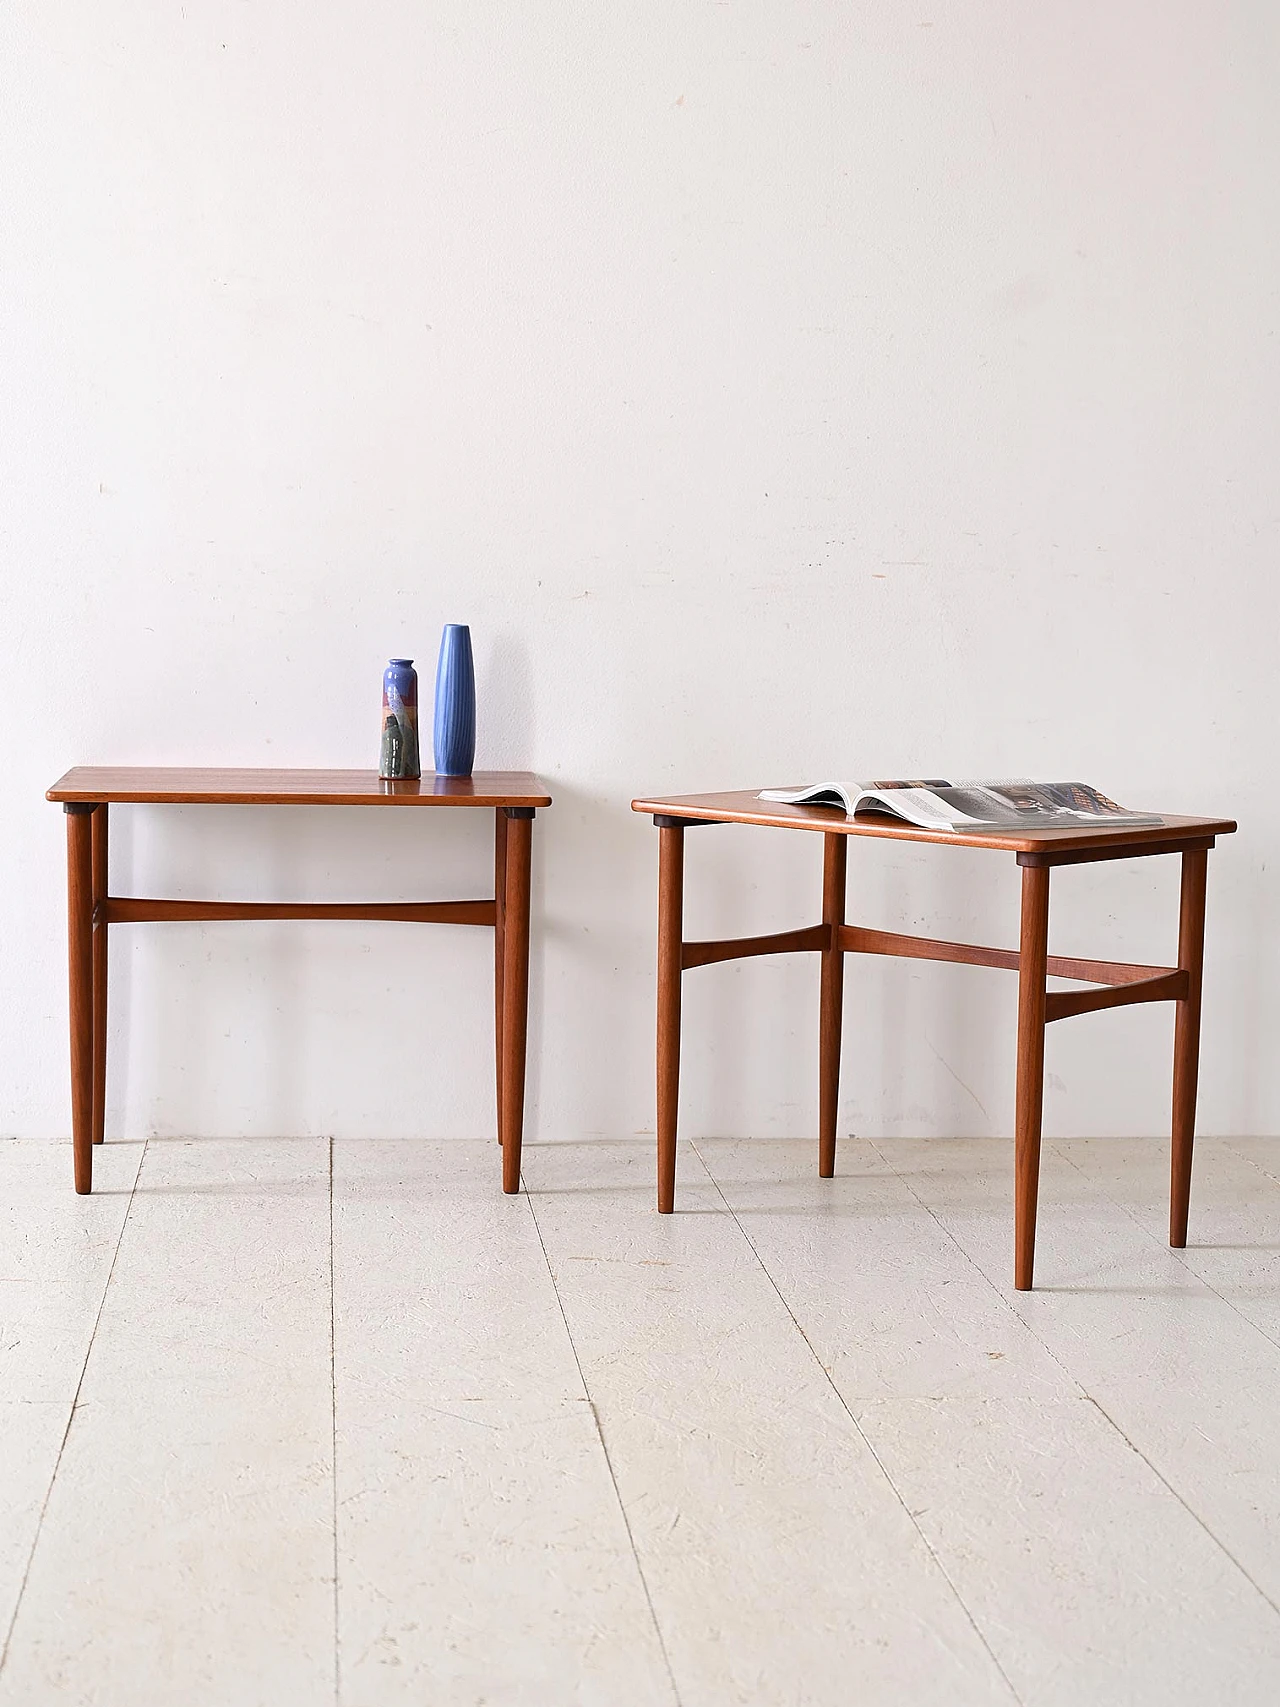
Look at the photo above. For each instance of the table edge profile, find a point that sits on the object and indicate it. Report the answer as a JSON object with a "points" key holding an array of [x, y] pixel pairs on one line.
{"points": [[182, 786]]}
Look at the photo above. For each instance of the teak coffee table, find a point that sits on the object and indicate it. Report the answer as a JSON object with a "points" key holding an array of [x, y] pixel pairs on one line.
{"points": [[1037, 851], [87, 792]]}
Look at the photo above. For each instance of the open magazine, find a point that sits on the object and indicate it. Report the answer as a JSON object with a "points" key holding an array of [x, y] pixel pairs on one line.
{"points": [[940, 805]]}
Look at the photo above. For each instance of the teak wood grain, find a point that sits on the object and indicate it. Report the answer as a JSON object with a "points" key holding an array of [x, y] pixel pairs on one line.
{"points": [[80, 979], [1186, 1040], [137, 910], [816, 937], [181, 786], [499, 949], [98, 868], [515, 994], [670, 930], [835, 851], [1033, 955], [86, 794], [858, 940], [1114, 983]]}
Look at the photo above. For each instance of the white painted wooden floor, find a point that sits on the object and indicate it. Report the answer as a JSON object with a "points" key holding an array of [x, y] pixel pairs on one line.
{"points": [[295, 1422]]}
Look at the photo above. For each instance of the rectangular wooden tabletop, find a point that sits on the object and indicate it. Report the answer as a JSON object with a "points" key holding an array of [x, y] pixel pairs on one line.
{"points": [[182, 786], [743, 806]]}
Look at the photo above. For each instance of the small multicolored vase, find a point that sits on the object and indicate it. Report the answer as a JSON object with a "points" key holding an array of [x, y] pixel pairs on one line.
{"points": [[399, 753], [455, 725]]}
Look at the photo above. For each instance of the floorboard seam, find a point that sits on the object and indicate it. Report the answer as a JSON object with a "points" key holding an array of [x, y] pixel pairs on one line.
{"points": [[71, 1415], [981, 1272], [1079, 1386], [1209, 1287], [1253, 1162], [333, 1460], [595, 1417], [1189, 1509], [1173, 1251], [862, 1435]]}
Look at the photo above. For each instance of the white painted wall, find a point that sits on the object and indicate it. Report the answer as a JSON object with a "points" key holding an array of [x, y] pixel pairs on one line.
{"points": [[777, 389]]}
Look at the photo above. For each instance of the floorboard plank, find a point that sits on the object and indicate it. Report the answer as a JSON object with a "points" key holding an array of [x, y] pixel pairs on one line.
{"points": [[483, 1555], [902, 1311], [56, 1251], [1086, 1574], [783, 1567], [1233, 1238], [1179, 1371], [186, 1552], [1090, 1580], [845, 1460]]}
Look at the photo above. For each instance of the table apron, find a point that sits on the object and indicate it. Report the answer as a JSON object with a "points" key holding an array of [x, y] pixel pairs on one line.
{"points": [[1067, 855]]}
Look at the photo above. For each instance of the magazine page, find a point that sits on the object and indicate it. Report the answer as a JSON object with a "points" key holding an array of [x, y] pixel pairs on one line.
{"points": [[815, 794], [843, 793], [1017, 803], [1020, 803], [930, 806], [922, 803]]}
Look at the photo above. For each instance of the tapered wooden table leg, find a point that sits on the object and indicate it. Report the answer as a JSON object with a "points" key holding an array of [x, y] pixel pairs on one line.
{"points": [[1186, 1040], [515, 989], [98, 862], [1033, 950], [834, 862], [499, 945], [80, 968], [670, 945]]}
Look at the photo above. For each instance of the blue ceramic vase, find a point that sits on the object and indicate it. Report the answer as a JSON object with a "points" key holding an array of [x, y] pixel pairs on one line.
{"points": [[398, 755], [455, 727]]}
